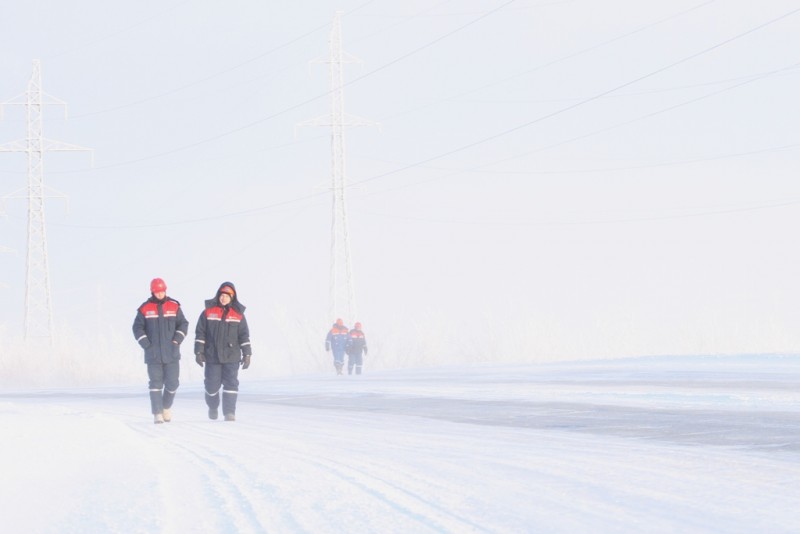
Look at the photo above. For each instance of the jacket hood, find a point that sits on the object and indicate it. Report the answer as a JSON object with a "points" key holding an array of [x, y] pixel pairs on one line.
{"points": [[235, 304]]}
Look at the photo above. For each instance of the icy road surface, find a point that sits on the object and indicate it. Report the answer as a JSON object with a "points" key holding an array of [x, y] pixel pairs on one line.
{"points": [[705, 444]]}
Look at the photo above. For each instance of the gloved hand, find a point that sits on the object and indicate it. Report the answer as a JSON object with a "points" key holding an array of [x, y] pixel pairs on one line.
{"points": [[200, 358], [327, 346], [365, 350], [246, 362]]}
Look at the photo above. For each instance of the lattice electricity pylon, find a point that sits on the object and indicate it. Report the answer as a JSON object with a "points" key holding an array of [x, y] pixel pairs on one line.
{"points": [[38, 302], [342, 285]]}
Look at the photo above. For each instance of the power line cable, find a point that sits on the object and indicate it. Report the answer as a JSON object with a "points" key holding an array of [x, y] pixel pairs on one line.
{"points": [[564, 58], [382, 31], [578, 104], [207, 78], [310, 100], [223, 72], [491, 137], [553, 62], [118, 32], [630, 93], [647, 116], [654, 165], [480, 168], [704, 213], [483, 168]]}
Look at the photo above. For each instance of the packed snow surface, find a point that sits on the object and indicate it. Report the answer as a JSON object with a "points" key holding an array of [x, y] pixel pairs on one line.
{"points": [[683, 444]]}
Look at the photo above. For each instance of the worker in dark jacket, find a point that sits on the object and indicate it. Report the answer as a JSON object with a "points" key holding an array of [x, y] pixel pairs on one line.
{"points": [[335, 341], [222, 343], [356, 348], [160, 327]]}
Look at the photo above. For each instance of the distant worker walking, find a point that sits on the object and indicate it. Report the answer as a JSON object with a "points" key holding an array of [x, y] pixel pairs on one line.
{"points": [[336, 341], [356, 348], [159, 328], [222, 343]]}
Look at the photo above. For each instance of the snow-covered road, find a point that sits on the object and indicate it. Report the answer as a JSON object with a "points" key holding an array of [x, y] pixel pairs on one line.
{"points": [[656, 445]]}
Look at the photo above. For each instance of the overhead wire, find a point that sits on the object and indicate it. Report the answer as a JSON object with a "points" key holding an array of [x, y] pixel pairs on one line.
{"points": [[117, 33], [475, 143], [220, 73], [225, 71], [648, 115], [488, 138], [581, 103], [702, 213], [483, 167], [689, 161], [396, 60], [563, 58], [628, 94], [309, 100], [555, 61]]}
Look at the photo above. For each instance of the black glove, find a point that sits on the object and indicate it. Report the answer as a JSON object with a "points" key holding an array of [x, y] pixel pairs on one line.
{"points": [[246, 362], [327, 346], [200, 358]]}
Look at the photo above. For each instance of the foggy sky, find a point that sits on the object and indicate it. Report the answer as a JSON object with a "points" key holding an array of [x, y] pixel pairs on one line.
{"points": [[549, 179]]}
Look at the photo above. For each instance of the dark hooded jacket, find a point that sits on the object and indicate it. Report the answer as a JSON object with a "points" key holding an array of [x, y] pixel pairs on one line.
{"points": [[160, 327], [222, 334], [356, 342], [336, 339]]}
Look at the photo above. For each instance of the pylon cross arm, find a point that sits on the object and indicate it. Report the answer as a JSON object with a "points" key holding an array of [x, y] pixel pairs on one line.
{"points": [[60, 146], [14, 146]]}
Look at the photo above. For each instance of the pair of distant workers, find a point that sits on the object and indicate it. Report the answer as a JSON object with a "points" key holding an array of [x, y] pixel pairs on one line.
{"points": [[222, 345], [342, 341]]}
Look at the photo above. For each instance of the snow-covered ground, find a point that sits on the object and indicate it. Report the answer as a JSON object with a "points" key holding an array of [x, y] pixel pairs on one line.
{"points": [[703, 444]]}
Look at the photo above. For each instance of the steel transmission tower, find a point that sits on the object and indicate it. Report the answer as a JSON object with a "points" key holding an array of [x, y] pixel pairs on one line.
{"points": [[38, 303], [342, 286]]}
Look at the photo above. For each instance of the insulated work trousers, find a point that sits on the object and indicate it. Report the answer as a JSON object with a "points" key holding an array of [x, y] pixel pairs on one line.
{"points": [[355, 360], [163, 376], [225, 375]]}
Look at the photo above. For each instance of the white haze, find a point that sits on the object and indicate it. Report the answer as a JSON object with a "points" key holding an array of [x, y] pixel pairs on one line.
{"points": [[551, 179]]}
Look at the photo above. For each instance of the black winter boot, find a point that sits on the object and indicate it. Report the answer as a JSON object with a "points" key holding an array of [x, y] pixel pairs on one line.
{"points": [[168, 398], [229, 404], [156, 404], [213, 404]]}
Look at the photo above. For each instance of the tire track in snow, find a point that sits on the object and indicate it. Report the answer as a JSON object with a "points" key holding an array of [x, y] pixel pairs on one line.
{"points": [[227, 505], [259, 501], [401, 500], [368, 485], [219, 484]]}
